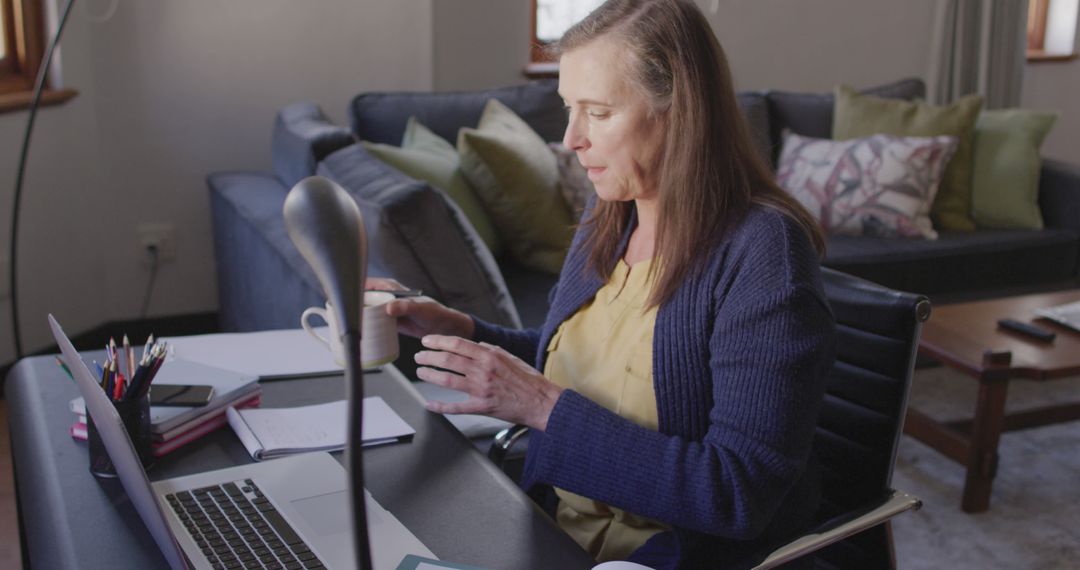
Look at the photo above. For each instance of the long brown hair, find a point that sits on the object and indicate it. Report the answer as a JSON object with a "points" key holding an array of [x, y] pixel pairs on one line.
{"points": [[709, 171]]}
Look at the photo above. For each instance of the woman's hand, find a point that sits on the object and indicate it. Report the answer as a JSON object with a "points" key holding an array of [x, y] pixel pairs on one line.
{"points": [[499, 384], [419, 316]]}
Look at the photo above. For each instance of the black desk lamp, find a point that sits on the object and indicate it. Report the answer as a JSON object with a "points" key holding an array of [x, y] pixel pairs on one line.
{"points": [[325, 225]]}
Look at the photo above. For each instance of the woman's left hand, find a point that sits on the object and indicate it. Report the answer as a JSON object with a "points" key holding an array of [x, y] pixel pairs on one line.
{"points": [[499, 384]]}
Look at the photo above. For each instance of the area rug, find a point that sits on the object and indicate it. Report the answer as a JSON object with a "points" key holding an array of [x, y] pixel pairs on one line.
{"points": [[1034, 515]]}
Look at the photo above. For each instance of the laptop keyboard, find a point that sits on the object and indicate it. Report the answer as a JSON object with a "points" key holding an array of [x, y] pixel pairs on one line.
{"points": [[237, 527]]}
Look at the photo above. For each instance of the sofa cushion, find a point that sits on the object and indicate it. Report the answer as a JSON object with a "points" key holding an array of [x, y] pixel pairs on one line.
{"points": [[302, 137], [263, 283], [958, 262], [381, 117], [860, 115], [516, 177], [423, 155], [1005, 180], [418, 236], [880, 185], [811, 114]]}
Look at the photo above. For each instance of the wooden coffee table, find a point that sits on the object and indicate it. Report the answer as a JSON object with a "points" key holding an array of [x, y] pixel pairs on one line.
{"points": [[966, 337]]}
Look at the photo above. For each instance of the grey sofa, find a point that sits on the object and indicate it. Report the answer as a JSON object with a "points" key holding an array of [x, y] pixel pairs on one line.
{"points": [[420, 237]]}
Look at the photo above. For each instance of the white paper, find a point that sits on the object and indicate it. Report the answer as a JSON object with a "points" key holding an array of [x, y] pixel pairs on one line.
{"points": [[266, 354], [272, 432]]}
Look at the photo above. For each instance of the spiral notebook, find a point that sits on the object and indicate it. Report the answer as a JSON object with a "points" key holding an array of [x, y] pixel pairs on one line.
{"points": [[275, 432]]}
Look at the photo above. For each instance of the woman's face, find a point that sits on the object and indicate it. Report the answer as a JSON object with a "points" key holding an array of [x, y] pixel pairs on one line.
{"points": [[610, 127]]}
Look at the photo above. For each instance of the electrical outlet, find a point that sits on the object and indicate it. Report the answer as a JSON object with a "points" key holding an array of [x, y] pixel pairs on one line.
{"points": [[160, 235]]}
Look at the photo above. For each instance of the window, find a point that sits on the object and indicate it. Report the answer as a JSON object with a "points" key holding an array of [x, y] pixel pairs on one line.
{"points": [[550, 19], [21, 26], [1051, 30]]}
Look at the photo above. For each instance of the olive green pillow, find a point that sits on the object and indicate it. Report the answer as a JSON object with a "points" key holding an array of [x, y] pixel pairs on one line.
{"points": [[426, 156], [516, 177], [860, 115], [1007, 165]]}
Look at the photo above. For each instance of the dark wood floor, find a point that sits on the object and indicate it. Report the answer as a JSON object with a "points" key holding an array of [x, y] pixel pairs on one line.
{"points": [[9, 526]]}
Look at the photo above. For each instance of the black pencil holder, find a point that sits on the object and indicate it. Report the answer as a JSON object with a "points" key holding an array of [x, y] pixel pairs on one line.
{"points": [[135, 414]]}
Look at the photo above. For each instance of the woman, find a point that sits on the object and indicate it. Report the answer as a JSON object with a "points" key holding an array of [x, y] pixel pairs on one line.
{"points": [[685, 352]]}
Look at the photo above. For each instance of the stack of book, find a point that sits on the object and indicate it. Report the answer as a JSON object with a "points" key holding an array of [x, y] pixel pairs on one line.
{"points": [[174, 426]]}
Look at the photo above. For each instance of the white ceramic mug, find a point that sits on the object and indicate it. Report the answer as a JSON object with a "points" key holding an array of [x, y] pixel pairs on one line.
{"points": [[378, 339]]}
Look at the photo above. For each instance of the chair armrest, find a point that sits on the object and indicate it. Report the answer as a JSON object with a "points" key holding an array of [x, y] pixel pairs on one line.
{"points": [[841, 528], [504, 441], [1059, 194]]}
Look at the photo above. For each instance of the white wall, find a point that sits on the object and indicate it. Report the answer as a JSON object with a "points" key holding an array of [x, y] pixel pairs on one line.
{"points": [[171, 90]]}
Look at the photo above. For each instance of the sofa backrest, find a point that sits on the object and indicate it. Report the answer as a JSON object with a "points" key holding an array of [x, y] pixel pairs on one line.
{"points": [[302, 137], [418, 236], [381, 117], [811, 114]]}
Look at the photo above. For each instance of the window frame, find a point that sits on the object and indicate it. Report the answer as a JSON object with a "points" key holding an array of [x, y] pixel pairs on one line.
{"points": [[541, 65], [24, 23], [1038, 15]]}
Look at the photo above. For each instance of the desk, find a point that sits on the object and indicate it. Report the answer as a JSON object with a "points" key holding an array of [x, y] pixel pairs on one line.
{"points": [[444, 490], [966, 337]]}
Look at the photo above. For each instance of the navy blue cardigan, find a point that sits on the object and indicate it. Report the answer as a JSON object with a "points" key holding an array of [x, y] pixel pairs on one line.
{"points": [[740, 358]]}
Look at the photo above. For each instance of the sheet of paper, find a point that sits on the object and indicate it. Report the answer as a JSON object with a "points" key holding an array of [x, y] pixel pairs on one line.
{"points": [[272, 432], [266, 354]]}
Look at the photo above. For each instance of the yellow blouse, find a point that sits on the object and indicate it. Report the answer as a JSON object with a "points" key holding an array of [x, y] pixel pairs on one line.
{"points": [[604, 352]]}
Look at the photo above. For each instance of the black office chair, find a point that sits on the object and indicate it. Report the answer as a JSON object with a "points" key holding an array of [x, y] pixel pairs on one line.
{"points": [[859, 429]]}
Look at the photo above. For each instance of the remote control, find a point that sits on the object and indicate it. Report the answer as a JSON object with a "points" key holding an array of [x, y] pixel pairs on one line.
{"points": [[1028, 329]]}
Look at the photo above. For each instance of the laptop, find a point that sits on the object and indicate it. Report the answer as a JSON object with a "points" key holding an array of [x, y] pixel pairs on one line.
{"points": [[292, 512], [1067, 314]]}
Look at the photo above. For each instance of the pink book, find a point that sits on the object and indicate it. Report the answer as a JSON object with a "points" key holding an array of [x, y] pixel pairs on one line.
{"points": [[178, 437]]}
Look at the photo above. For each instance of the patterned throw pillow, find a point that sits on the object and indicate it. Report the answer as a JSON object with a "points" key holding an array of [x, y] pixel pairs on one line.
{"points": [[881, 185], [574, 183]]}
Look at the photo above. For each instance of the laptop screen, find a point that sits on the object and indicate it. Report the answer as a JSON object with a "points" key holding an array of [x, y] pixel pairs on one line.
{"points": [[121, 450]]}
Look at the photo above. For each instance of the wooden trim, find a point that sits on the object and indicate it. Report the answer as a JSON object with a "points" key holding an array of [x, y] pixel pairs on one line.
{"points": [[1039, 56], [20, 100], [27, 44], [1036, 24], [538, 50], [7, 63], [542, 70]]}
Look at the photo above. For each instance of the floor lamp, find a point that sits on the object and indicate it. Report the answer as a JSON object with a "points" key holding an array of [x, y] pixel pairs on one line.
{"points": [[39, 86]]}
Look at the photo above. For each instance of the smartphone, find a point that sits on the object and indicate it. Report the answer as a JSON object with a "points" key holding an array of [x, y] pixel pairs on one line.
{"points": [[180, 394]]}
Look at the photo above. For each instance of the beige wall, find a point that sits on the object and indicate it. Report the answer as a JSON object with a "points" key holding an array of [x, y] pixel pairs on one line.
{"points": [[812, 45], [170, 91], [479, 43], [1054, 86]]}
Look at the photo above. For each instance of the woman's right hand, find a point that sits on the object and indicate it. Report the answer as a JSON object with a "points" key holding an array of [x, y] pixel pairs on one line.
{"points": [[420, 316]]}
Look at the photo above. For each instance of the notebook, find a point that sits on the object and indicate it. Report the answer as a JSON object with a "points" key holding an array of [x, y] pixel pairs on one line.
{"points": [[288, 511], [268, 433], [230, 387]]}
